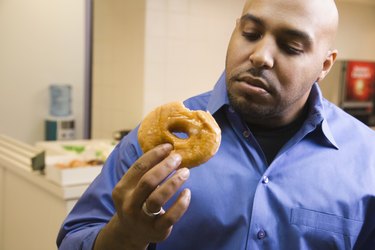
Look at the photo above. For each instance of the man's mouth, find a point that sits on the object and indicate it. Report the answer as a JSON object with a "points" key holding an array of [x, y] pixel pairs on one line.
{"points": [[256, 83]]}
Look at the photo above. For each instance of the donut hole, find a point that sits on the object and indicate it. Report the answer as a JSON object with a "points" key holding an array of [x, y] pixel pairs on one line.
{"points": [[180, 135], [179, 130]]}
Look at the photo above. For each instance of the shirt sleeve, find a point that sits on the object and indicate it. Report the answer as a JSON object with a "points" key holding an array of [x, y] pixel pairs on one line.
{"points": [[95, 208], [83, 239]]}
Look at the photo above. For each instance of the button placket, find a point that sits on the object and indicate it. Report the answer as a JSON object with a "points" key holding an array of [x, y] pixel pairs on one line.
{"points": [[246, 133], [265, 179], [261, 234]]}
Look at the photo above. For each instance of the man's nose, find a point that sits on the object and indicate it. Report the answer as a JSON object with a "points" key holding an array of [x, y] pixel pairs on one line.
{"points": [[262, 55]]}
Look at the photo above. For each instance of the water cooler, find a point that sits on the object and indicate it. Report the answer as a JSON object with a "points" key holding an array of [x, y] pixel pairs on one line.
{"points": [[60, 124]]}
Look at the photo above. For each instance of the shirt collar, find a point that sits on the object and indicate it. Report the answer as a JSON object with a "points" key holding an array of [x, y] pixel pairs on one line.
{"points": [[316, 118], [219, 97]]}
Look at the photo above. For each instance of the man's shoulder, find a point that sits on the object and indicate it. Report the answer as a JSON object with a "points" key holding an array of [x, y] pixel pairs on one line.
{"points": [[198, 102], [343, 124]]}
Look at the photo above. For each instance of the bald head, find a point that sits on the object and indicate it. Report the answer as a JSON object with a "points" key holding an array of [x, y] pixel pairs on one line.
{"points": [[322, 13], [287, 44]]}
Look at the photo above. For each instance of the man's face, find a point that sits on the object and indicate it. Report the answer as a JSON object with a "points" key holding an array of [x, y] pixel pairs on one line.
{"points": [[277, 51]]}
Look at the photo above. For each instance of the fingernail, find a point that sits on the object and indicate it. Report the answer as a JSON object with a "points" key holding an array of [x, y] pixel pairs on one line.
{"points": [[167, 146], [187, 194], [184, 173], [175, 159]]}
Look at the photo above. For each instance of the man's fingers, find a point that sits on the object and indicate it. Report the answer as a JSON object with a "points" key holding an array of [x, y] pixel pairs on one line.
{"points": [[151, 180], [146, 162], [162, 194], [130, 180], [175, 212]]}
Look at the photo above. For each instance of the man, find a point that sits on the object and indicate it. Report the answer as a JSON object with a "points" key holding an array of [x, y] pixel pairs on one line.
{"points": [[293, 171]]}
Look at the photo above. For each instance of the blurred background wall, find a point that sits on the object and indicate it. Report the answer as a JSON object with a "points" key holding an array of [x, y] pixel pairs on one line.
{"points": [[41, 42], [145, 53]]}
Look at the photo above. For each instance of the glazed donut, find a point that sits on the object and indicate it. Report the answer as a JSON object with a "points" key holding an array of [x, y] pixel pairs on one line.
{"points": [[164, 124]]}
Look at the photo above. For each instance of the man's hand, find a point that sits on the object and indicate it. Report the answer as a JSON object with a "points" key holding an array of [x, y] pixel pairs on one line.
{"points": [[151, 181]]}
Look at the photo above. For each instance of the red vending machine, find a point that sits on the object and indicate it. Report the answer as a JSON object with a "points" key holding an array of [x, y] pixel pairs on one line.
{"points": [[358, 98]]}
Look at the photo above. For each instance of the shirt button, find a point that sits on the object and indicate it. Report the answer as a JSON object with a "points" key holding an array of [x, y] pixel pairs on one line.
{"points": [[265, 179], [261, 234], [246, 133]]}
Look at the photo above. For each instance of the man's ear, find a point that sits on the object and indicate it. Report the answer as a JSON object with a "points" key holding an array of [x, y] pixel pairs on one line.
{"points": [[328, 63]]}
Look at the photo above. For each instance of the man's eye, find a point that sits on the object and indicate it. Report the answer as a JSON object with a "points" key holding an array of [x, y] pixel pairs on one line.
{"points": [[292, 50], [252, 36]]}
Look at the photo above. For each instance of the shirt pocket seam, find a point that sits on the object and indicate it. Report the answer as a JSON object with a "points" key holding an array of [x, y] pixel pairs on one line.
{"points": [[325, 222]]}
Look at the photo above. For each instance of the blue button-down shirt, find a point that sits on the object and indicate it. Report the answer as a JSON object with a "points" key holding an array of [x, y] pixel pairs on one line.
{"points": [[318, 193]]}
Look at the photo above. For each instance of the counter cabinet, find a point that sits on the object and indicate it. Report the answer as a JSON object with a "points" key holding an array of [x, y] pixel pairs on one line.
{"points": [[32, 208]]}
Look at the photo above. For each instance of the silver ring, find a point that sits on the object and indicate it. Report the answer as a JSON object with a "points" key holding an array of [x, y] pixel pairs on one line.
{"points": [[148, 213]]}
